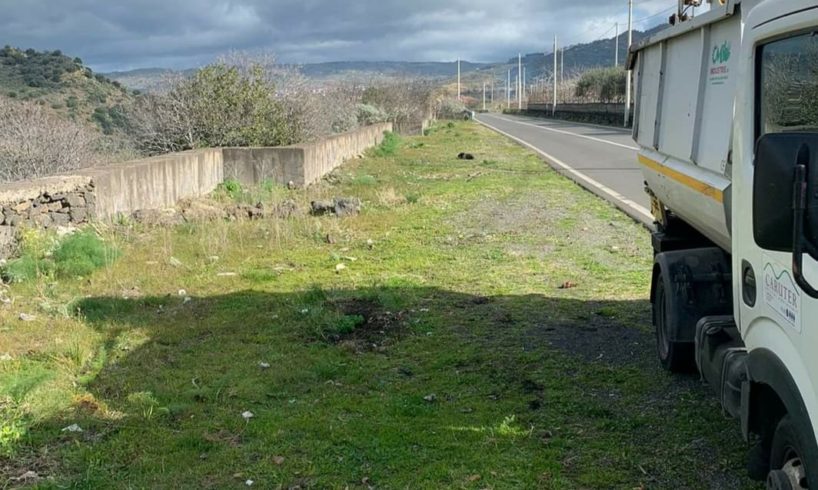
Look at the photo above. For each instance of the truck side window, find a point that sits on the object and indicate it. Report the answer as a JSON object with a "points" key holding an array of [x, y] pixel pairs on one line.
{"points": [[788, 98]]}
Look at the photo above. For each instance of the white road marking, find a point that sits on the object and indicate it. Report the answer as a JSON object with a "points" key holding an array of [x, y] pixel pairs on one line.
{"points": [[615, 197], [553, 130]]}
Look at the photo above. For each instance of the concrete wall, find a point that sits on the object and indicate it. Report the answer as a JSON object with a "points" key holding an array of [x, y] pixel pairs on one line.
{"points": [[596, 113], [160, 182], [300, 164], [155, 183]]}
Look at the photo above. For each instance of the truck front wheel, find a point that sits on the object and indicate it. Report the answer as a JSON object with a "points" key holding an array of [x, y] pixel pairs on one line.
{"points": [[676, 357], [790, 469]]}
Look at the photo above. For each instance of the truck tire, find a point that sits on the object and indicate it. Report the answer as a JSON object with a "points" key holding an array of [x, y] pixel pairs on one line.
{"points": [[792, 458], [676, 357]]}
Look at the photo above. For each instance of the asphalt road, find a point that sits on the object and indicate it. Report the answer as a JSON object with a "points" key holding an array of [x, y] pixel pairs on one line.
{"points": [[603, 160]]}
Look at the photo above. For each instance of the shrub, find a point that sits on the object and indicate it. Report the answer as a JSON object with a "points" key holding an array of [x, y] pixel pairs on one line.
{"points": [[219, 106], [389, 145], [41, 254], [232, 188], [602, 85], [35, 141], [368, 114], [450, 108], [81, 254]]}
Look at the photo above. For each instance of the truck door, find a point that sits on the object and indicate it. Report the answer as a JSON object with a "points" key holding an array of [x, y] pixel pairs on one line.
{"points": [[778, 94]]}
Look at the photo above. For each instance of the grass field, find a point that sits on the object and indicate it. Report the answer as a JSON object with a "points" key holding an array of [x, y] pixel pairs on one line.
{"points": [[481, 324]]}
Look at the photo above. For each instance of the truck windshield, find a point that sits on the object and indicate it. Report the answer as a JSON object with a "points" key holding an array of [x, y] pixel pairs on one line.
{"points": [[789, 85]]}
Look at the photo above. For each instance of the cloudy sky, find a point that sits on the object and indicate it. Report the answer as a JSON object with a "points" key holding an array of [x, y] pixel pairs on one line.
{"points": [[125, 34]]}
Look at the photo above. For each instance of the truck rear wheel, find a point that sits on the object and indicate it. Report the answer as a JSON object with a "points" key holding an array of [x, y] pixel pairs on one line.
{"points": [[675, 357], [790, 468]]}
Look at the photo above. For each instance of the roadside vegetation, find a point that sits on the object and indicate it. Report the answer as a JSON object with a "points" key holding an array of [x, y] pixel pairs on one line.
{"points": [[61, 116], [481, 324]]}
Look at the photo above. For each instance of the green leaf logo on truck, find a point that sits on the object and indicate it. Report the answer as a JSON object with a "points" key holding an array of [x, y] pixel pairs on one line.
{"points": [[721, 54]]}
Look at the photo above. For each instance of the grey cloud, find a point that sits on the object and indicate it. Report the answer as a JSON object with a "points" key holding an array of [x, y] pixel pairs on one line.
{"points": [[120, 34]]}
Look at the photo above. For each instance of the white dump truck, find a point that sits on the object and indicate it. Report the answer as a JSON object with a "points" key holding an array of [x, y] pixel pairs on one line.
{"points": [[726, 118]]}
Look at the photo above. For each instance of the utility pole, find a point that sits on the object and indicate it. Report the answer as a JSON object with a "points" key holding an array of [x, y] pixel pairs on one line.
{"points": [[484, 96], [458, 78], [525, 80], [519, 81], [562, 66], [556, 52], [508, 89], [493, 79], [616, 56], [628, 73]]}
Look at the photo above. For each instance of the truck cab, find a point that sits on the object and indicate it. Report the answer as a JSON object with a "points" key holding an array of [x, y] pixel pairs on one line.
{"points": [[726, 117]]}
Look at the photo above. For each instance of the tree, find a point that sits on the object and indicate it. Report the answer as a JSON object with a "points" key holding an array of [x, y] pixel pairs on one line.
{"points": [[602, 85], [35, 141]]}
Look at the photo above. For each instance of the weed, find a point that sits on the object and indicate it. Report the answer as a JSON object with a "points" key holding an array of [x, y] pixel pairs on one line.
{"points": [[412, 198], [82, 253], [365, 180], [232, 188], [389, 146], [22, 269], [348, 323], [42, 254]]}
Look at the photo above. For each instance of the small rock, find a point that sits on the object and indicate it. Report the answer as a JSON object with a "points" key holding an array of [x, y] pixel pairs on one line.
{"points": [[175, 262], [72, 428], [28, 476], [23, 206], [340, 267], [465, 156], [279, 460], [187, 300], [249, 483], [264, 365], [370, 243], [27, 318], [568, 285], [430, 398], [347, 206], [291, 185], [74, 200], [330, 239], [78, 214], [319, 208], [247, 415], [182, 292], [226, 274], [6, 357]]}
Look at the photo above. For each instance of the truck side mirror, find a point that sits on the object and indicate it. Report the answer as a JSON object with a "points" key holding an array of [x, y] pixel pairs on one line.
{"points": [[776, 158]]}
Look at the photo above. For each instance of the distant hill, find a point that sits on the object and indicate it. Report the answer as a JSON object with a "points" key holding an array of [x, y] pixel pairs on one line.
{"points": [[65, 84], [578, 57], [389, 68], [153, 79], [146, 79]]}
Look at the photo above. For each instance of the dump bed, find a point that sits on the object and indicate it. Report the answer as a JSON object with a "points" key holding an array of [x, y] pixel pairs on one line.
{"points": [[686, 80]]}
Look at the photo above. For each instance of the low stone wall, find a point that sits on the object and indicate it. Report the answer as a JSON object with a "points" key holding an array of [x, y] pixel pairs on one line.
{"points": [[300, 165], [606, 114], [160, 182]]}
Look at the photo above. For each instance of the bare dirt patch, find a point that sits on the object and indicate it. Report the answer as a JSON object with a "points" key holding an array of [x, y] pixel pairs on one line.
{"points": [[375, 328]]}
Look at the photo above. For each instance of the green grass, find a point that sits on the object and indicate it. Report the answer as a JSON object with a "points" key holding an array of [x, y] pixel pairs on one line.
{"points": [[43, 254], [444, 354], [389, 146]]}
